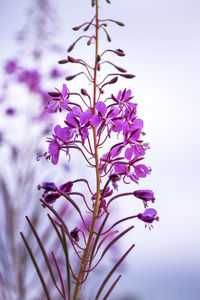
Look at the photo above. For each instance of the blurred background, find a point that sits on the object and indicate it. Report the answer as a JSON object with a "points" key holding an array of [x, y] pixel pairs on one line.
{"points": [[162, 46]]}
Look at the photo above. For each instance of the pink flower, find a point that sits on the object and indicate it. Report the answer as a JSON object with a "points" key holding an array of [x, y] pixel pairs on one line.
{"points": [[60, 100]]}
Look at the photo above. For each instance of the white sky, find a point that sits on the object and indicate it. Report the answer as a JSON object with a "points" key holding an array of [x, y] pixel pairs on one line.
{"points": [[162, 46]]}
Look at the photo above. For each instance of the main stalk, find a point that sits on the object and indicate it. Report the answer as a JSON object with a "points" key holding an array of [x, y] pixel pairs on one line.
{"points": [[85, 258]]}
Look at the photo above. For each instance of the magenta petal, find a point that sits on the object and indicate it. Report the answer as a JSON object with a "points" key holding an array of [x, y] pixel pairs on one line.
{"points": [[141, 170], [116, 151], [76, 111], [64, 91], [85, 117], [65, 103], [118, 125], [119, 168], [150, 212], [129, 153], [57, 130], [114, 112], [101, 108], [84, 133], [127, 95], [146, 195], [53, 148], [95, 121], [70, 119]]}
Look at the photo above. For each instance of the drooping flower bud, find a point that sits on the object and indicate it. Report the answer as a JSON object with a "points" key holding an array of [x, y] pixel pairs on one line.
{"points": [[149, 215], [66, 187], [72, 60], [75, 234], [145, 195], [63, 61]]}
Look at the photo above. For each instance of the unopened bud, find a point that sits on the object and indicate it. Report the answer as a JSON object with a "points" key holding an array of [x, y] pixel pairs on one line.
{"points": [[120, 52], [98, 58], [113, 80], [119, 23], [86, 28], [128, 75], [120, 69], [63, 61], [84, 92], [71, 48], [108, 37], [76, 28], [54, 94], [70, 77], [72, 60]]}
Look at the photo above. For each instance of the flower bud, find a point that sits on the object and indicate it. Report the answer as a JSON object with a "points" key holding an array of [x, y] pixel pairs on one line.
{"points": [[75, 234], [71, 48], [149, 215], [119, 23], [113, 80], [66, 187], [76, 28], [127, 75], [70, 77], [145, 195], [72, 60], [54, 94], [84, 92], [119, 52], [63, 61]]}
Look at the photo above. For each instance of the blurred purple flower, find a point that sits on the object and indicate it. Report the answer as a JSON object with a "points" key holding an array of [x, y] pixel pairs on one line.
{"points": [[60, 101], [10, 66]]}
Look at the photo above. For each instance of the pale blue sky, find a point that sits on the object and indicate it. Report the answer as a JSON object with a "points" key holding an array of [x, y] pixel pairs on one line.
{"points": [[162, 44]]}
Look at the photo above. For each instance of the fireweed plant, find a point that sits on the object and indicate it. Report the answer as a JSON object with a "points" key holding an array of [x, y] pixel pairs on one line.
{"points": [[24, 123], [90, 128]]}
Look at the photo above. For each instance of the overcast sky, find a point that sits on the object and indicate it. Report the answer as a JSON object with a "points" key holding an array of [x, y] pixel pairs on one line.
{"points": [[162, 46]]}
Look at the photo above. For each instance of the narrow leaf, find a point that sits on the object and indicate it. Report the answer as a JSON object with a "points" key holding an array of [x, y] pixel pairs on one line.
{"points": [[97, 238], [44, 254], [65, 248], [115, 239], [112, 287], [60, 275], [36, 266], [112, 271]]}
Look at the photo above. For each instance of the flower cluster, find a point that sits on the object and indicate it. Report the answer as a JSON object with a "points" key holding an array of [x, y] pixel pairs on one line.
{"points": [[107, 132]]}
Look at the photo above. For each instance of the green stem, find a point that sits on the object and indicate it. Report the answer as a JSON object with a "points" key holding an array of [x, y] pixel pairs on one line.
{"points": [[96, 207]]}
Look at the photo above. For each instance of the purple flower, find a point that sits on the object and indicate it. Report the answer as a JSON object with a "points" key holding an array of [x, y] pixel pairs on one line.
{"points": [[141, 170], [66, 187], [48, 186], [50, 197], [10, 66], [50, 192], [110, 119], [78, 123], [55, 73], [128, 169], [114, 177], [10, 111], [75, 234], [146, 195], [107, 193], [149, 215], [123, 99], [31, 78], [60, 101]]}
